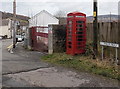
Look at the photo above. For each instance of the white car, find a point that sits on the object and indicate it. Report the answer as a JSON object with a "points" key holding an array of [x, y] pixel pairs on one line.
{"points": [[19, 38], [0, 37]]}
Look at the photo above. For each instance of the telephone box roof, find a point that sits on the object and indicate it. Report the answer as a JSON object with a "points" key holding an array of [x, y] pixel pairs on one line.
{"points": [[76, 13]]}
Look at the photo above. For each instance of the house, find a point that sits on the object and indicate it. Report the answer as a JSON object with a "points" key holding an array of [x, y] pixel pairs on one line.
{"points": [[43, 19], [6, 26], [40, 22]]}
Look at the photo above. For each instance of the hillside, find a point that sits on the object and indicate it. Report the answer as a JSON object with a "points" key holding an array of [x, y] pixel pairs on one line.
{"points": [[6, 15], [103, 18]]}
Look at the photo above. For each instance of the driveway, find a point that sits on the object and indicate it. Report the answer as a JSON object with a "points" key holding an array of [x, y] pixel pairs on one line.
{"points": [[24, 69]]}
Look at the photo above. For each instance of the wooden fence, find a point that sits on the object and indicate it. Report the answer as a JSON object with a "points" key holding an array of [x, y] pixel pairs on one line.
{"points": [[108, 32]]}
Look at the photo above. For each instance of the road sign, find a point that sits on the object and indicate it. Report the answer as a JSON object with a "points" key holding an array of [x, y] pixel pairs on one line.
{"points": [[109, 44]]}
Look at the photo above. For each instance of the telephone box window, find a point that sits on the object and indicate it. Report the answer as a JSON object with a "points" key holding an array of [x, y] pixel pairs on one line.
{"points": [[70, 22], [70, 16], [79, 39], [79, 32], [79, 21], [80, 16], [79, 29], [80, 36], [80, 25]]}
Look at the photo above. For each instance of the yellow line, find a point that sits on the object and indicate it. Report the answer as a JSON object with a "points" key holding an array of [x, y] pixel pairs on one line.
{"points": [[10, 46]]}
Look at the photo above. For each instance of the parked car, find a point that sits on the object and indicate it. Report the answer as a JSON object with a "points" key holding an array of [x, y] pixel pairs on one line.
{"points": [[0, 37], [19, 38]]}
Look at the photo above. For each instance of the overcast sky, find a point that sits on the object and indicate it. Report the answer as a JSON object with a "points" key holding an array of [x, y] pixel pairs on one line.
{"points": [[32, 7]]}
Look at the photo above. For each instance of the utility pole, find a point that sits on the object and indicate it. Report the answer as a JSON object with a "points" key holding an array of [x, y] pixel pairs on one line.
{"points": [[95, 29], [110, 17], [119, 32], [14, 18]]}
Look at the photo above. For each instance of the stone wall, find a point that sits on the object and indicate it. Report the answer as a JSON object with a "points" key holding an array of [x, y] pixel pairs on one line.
{"points": [[57, 38]]}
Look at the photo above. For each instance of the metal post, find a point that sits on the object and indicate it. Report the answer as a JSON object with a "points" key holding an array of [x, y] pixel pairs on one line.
{"points": [[102, 52], [14, 18], [119, 32], [116, 56]]}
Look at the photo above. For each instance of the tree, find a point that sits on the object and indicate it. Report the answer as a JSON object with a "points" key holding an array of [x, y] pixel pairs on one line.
{"points": [[60, 14]]}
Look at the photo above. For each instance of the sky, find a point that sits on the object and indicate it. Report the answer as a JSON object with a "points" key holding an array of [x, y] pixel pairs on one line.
{"points": [[32, 7]]}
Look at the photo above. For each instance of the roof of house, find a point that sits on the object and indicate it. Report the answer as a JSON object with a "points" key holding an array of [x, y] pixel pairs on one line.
{"points": [[44, 11]]}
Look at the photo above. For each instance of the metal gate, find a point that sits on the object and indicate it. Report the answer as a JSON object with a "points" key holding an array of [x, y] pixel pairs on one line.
{"points": [[39, 38]]}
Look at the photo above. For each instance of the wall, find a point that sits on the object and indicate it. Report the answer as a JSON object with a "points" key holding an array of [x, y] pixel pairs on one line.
{"points": [[57, 38]]}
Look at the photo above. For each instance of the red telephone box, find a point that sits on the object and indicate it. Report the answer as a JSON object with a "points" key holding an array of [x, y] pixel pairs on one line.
{"points": [[76, 33]]}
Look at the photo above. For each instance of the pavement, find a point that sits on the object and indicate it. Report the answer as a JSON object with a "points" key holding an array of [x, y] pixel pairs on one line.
{"points": [[24, 68]]}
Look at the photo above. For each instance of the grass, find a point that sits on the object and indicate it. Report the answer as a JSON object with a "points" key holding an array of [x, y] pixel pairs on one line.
{"points": [[84, 63]]}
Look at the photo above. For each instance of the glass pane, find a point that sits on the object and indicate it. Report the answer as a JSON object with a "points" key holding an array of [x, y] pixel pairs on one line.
{"points": [[69, 28], [70, 22], [70, 46], [69, 25], [69, 35], [79, 29], [69, 39], [79, 37], [80, 16], [69, 43], [79, 25], [79, 32], [69, 32], [70, 16], [79, 43], [79, 21]]}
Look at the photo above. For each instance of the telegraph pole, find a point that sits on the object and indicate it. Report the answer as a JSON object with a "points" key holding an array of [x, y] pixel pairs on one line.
{"points": [[119, 32], [14, 18], [110, 17], [95, 29]]}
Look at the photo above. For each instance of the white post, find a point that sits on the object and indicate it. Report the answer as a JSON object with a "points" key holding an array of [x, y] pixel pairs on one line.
{"points": [[50, 40], [102, 52], [116, 55]]}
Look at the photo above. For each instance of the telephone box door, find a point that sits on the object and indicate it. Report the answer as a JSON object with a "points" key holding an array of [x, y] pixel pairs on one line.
{"points": [[80, 36]]}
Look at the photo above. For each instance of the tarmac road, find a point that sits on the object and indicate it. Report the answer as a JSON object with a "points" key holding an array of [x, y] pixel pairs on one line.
{"points": [[20, 61], [24, 69]]}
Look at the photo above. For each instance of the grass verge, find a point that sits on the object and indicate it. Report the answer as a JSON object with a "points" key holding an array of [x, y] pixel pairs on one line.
{"points": [[84, 63]]}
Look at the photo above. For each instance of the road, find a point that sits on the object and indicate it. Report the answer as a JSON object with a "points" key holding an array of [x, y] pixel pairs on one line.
{"points": [[25, 69]]}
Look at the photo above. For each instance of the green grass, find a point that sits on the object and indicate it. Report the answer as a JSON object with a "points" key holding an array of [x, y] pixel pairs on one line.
{"points": [[83, 63]]}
